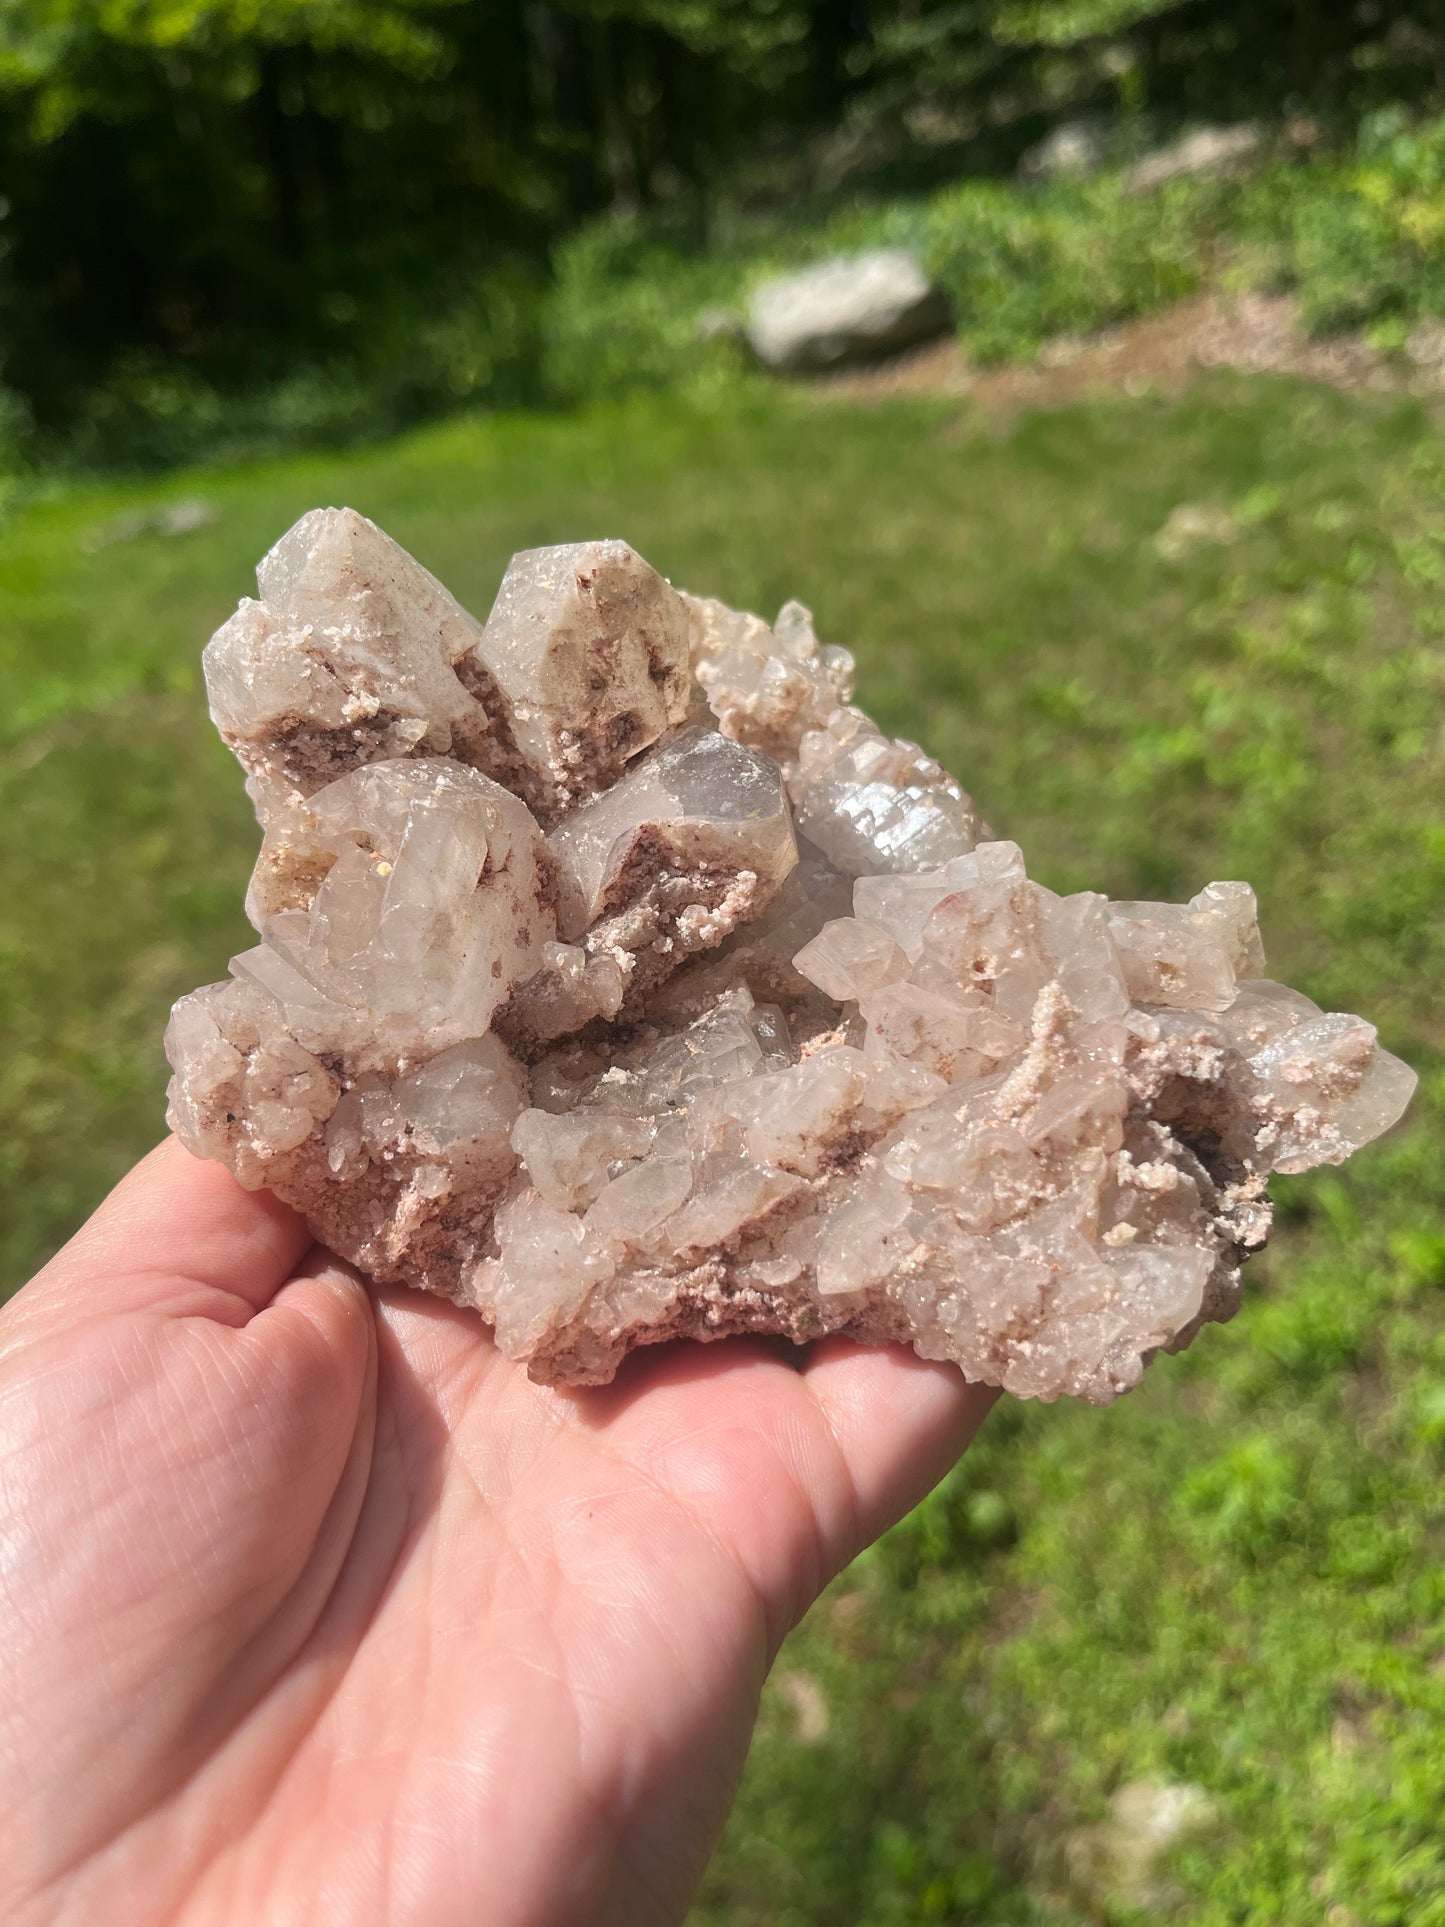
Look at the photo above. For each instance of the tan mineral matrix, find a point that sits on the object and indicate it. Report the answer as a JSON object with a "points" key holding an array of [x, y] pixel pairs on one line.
{"points": [[618, 977]]}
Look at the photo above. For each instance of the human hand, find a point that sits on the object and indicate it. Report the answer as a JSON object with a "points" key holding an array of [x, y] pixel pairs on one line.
{"points": [[317, 1610]]}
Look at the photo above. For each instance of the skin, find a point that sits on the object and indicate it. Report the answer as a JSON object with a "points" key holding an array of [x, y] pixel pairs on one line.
{"points": [[316, 1609]]}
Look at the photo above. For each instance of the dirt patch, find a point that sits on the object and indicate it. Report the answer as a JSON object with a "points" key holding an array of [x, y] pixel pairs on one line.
{"points": [[1159, 353]]}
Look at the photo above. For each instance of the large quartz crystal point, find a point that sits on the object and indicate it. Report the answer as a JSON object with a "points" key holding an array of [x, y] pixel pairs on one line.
{"points": [[625, 1008], [584, 658], [410, 898], [348, 658], [347, 1065]]}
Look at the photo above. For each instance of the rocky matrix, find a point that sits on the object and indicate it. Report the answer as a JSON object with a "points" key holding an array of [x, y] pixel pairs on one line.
{"points": [[619, 978]]}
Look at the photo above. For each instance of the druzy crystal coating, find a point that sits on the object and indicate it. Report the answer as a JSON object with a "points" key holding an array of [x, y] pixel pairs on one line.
{"points": [[621, 979]]}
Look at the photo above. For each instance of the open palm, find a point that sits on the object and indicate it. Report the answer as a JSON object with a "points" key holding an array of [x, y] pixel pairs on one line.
{"points": [[316, 1609]]}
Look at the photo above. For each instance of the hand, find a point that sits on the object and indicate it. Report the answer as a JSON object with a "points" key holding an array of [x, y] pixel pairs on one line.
{"points": [[315, 1610]]}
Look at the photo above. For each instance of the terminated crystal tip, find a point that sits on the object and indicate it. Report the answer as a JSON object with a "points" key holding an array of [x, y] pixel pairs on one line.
{"points": [[619, 978]]}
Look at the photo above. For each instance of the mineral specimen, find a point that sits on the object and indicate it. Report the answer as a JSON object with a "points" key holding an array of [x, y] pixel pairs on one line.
{"points": [[620, 979]]}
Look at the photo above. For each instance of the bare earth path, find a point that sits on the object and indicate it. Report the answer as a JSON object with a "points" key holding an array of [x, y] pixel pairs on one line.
{"points": [[1258, 333]]}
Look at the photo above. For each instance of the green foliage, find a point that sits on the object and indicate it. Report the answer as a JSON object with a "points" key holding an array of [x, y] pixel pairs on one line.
{"points": [[624, 310], [1233, 1576], [1021, 267], [1363, 236], [1360, 236], [1229, 1578], [1045, 53], [628, 294], [989, 67], [206, 203], [483, 346], [1065, 23], [52, 51]]}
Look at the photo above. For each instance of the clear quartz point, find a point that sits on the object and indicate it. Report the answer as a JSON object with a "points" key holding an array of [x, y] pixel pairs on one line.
{"points": [[585, 657]]}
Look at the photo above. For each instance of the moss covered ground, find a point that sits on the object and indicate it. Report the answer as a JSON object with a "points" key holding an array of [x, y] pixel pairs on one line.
{"points": [[1162, 642]]}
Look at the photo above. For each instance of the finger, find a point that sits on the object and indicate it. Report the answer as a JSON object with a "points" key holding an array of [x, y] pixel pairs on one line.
{"points": [[314, 1351], [899, 1423], [178, 1235], [323, 1314]]}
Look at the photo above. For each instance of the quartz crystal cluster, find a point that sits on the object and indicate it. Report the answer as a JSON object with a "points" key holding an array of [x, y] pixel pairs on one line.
{"points": [[619, 978]]}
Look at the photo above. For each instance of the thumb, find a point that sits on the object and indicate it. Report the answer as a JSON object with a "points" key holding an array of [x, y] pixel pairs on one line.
{"points": [[312, 1357]]}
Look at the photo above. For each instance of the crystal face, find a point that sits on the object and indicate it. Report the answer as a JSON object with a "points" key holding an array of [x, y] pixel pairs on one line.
{"points": [[584, 658], [619, 978]]}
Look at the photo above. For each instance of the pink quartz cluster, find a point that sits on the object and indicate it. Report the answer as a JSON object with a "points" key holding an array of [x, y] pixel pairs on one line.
{"points": [[618, 977]]}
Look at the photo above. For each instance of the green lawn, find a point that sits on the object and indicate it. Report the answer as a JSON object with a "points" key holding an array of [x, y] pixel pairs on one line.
{"points": [[1233, 1578]]}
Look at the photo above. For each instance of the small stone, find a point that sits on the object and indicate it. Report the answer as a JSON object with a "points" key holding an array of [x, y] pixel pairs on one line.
{"points": [[1425, 346], [1200, 153], [1124, 1860], [759, 1028], [1193, 526], [806, 1700], [849, 309], [1072, 151], [170, 518]]}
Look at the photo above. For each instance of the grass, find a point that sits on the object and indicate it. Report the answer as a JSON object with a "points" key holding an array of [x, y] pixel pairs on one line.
{"points": [[1164, 642]]}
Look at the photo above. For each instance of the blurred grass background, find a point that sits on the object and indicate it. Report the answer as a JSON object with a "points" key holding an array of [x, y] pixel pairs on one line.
{"points": [[1162, 641]]}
